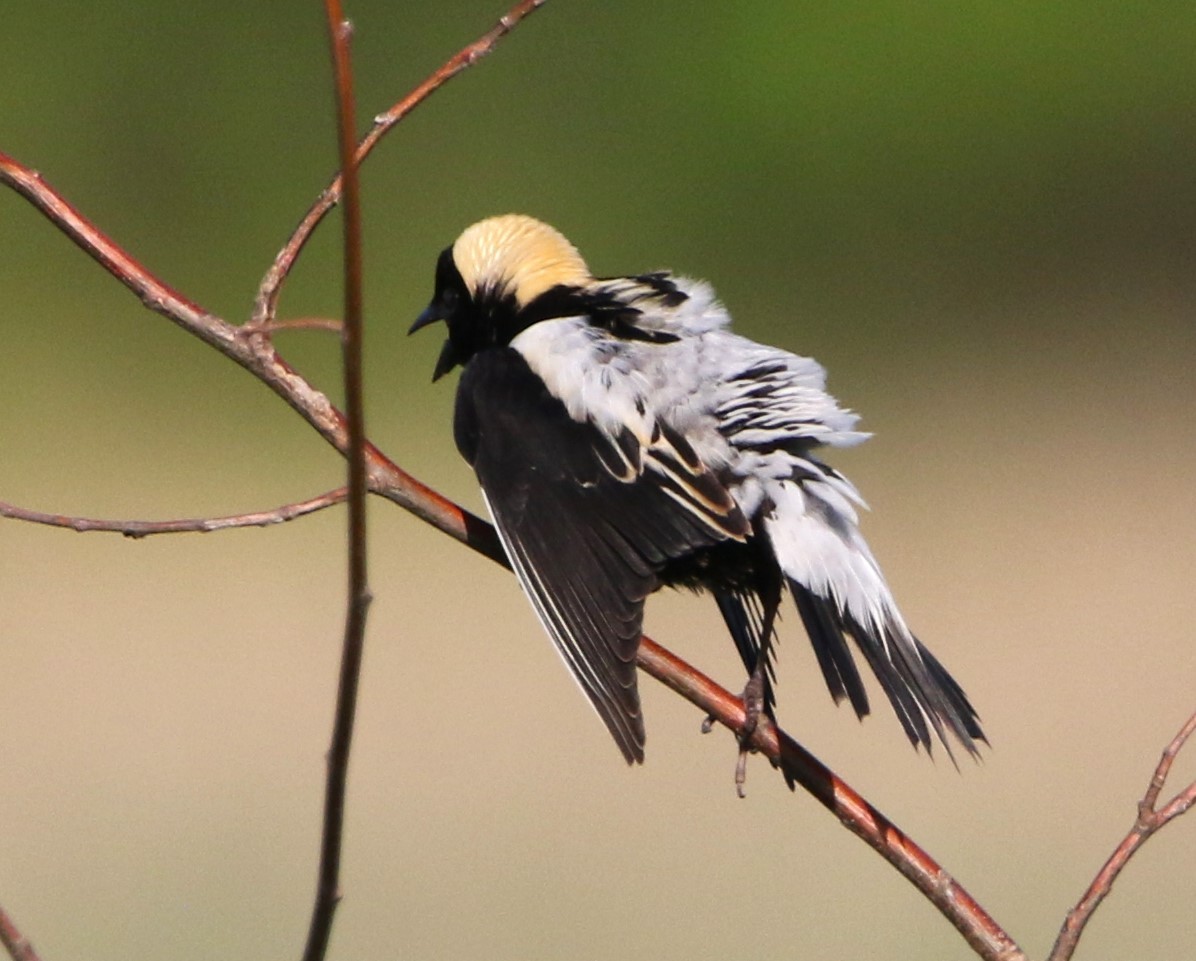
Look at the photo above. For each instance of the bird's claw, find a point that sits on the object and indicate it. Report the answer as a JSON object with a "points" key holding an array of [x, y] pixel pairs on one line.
{"points": [[753, 707]]}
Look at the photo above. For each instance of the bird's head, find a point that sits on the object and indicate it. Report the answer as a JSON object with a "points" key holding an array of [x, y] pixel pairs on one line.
{"points": [[489, 283]]}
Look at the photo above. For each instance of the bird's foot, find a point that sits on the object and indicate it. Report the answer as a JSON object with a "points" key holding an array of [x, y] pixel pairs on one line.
{"points": [[753, 707]]}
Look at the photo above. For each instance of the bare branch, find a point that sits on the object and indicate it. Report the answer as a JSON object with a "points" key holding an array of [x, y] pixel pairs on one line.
{"points": [[353, 647], [14, 942], [1149, 821], [266, 303], [248, 347], [152, 292], [200, 525], [1159, 780], [798, 765]]}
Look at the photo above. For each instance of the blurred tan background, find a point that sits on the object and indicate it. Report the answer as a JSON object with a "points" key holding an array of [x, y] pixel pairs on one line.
{"points": [[979, 217]]}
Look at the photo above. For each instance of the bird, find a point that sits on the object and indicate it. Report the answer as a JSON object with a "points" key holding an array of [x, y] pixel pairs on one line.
{"points": [[625, 440]]}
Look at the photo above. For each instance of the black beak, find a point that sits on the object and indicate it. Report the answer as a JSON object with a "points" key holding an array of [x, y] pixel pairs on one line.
{"points": [[448, 356], [432, 313], [446, 362]]}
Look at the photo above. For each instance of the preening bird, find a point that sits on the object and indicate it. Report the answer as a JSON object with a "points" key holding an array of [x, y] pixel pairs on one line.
{"points": [[625, 439]]}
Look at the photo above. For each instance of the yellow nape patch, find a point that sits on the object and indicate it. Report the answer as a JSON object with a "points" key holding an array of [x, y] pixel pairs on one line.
{"points": [[518, 255]]}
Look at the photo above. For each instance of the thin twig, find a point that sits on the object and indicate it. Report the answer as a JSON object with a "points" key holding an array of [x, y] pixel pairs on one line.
{"points": [[266, 303], [328, 892], [295, 323], [200, 525], [14, 942], [1149, 821]]}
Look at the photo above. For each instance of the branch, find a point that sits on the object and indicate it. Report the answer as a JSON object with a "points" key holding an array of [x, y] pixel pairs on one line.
{"points": [[985, 936], [1150, 820], [248, 347], [353, 648], [200, 525], [266, 303], [152, 292], [14, 942]]}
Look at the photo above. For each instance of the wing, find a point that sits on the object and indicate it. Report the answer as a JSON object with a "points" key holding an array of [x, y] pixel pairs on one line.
{"points": [[777, 401], [587, 520]]}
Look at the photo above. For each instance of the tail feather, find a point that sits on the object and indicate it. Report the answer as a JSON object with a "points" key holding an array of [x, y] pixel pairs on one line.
{"points": [[840, 593], [924, 696], [962, 707], [825, 629]]}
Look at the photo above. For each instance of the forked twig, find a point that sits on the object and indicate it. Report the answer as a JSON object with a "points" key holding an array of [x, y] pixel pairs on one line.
{"points": [[1149, 821], [266, 303], [248, 347]]}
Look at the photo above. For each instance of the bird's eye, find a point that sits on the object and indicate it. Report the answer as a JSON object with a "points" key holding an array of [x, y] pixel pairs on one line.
{"points": [[449, 297]]}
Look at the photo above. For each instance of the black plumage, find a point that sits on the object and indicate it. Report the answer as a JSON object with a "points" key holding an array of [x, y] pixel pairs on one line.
{"points": [[591, 545]]}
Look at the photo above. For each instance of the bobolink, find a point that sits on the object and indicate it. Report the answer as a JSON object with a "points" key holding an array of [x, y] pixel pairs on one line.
{"points": [[625, 439]]}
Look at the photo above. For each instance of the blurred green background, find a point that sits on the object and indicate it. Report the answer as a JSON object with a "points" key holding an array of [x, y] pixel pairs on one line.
{"points": [[978, 216]]}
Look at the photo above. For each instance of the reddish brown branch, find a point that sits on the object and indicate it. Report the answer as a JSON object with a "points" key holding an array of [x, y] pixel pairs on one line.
{"points": [[1149, 821], [1182, 801], [248, 347], [200, 525], [152, 292], [14, 942], [266, 303], [986, 937], [353, 647]]}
